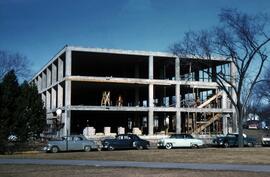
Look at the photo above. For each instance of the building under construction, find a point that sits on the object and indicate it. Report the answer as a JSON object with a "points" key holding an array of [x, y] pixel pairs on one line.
{"points": [[134, 91]]}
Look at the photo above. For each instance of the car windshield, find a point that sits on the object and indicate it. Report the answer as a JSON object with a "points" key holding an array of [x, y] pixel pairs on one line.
{"points": [[177, 136], [189, 137]]}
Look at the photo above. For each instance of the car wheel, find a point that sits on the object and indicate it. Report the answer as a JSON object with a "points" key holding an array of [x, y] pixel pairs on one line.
{"points": [[147, 146], [110, 148], [226, 145], [168, 146], [139, 147], [54, 149], [250, 145], [87, 148], [194, 146]]}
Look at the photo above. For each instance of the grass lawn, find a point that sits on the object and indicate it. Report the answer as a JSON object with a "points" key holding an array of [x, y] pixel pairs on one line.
{"points": [[207, 155], [80, 171]]}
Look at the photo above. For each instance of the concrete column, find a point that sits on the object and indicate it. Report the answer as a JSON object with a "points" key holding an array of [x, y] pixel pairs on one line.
{"points": [[177, 68], [59, 96], [224, 100], [54, 73], [68, 83], [66, 119], [39, 85], [151, 96], [151, 67], [48, 100], [225, 124], [178, 113], [151, 110], [178, 96], [178, 121], [67, 115], [53, 97], [60, 69], [36, 82], [67, 93], [150, 122], [49, 77], [43, 97], [68, 62], [43, 81]]}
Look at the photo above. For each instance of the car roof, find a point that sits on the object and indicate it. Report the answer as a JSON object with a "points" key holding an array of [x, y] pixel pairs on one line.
{"points": [[126, 134], [181, 134]]}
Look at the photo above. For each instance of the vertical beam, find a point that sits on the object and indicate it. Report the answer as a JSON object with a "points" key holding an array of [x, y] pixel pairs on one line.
{"points": [[43, 97], [225, 124], [39, 83], [43, 81], [177, 68], [54, 73], [151, 96], [151, 67], [178, 112], [48, 100], [224, 100], [68, 62], [151, 110], [49, 76], [59, 96], [178, 96], [60, 69], [66, 118], [53, 97], [36, 82], [67, 115]]}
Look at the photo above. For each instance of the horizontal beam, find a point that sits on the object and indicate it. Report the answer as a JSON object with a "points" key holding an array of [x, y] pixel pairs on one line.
{"points": [[143, 109], [192, 84]]}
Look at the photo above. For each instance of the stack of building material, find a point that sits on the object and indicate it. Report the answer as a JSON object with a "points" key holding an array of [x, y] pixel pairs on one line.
{"points": [[107, 131], [136, 131], [89, 131], [121, 130]]}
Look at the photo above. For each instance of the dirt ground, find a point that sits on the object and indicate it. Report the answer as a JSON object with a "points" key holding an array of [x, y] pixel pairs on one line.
{"points": [[78, 171], [206, 155]]}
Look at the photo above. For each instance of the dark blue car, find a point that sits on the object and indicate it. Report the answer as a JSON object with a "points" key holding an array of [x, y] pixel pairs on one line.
{"points": [[125, 141], [231, 140]]}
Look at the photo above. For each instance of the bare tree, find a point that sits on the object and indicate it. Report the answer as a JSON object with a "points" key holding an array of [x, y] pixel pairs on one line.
{"points": [[14, 61], [240, 38], [262, 90]]}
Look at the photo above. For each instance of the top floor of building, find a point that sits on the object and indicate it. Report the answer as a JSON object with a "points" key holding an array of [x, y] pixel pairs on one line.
{"points": [[139, 67]]}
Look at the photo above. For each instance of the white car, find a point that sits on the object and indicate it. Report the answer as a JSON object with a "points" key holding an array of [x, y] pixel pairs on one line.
{"points": [[179, 140], [266, 140]]}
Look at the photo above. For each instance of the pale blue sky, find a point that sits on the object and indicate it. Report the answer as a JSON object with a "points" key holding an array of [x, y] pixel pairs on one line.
{"points": [[38, 29]]}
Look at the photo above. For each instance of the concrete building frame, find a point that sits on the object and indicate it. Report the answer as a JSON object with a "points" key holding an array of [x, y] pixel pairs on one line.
{"points": [[57, 79]]}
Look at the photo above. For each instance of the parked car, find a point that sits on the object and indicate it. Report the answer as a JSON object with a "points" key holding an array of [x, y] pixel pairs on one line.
{"points": [[231, 140], [125, 141], [70, 143], [180, 140], [266, 140]]}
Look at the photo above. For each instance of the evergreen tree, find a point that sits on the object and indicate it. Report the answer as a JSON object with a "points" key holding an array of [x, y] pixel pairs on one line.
{"points": [[8, 95], [30, 113]]}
